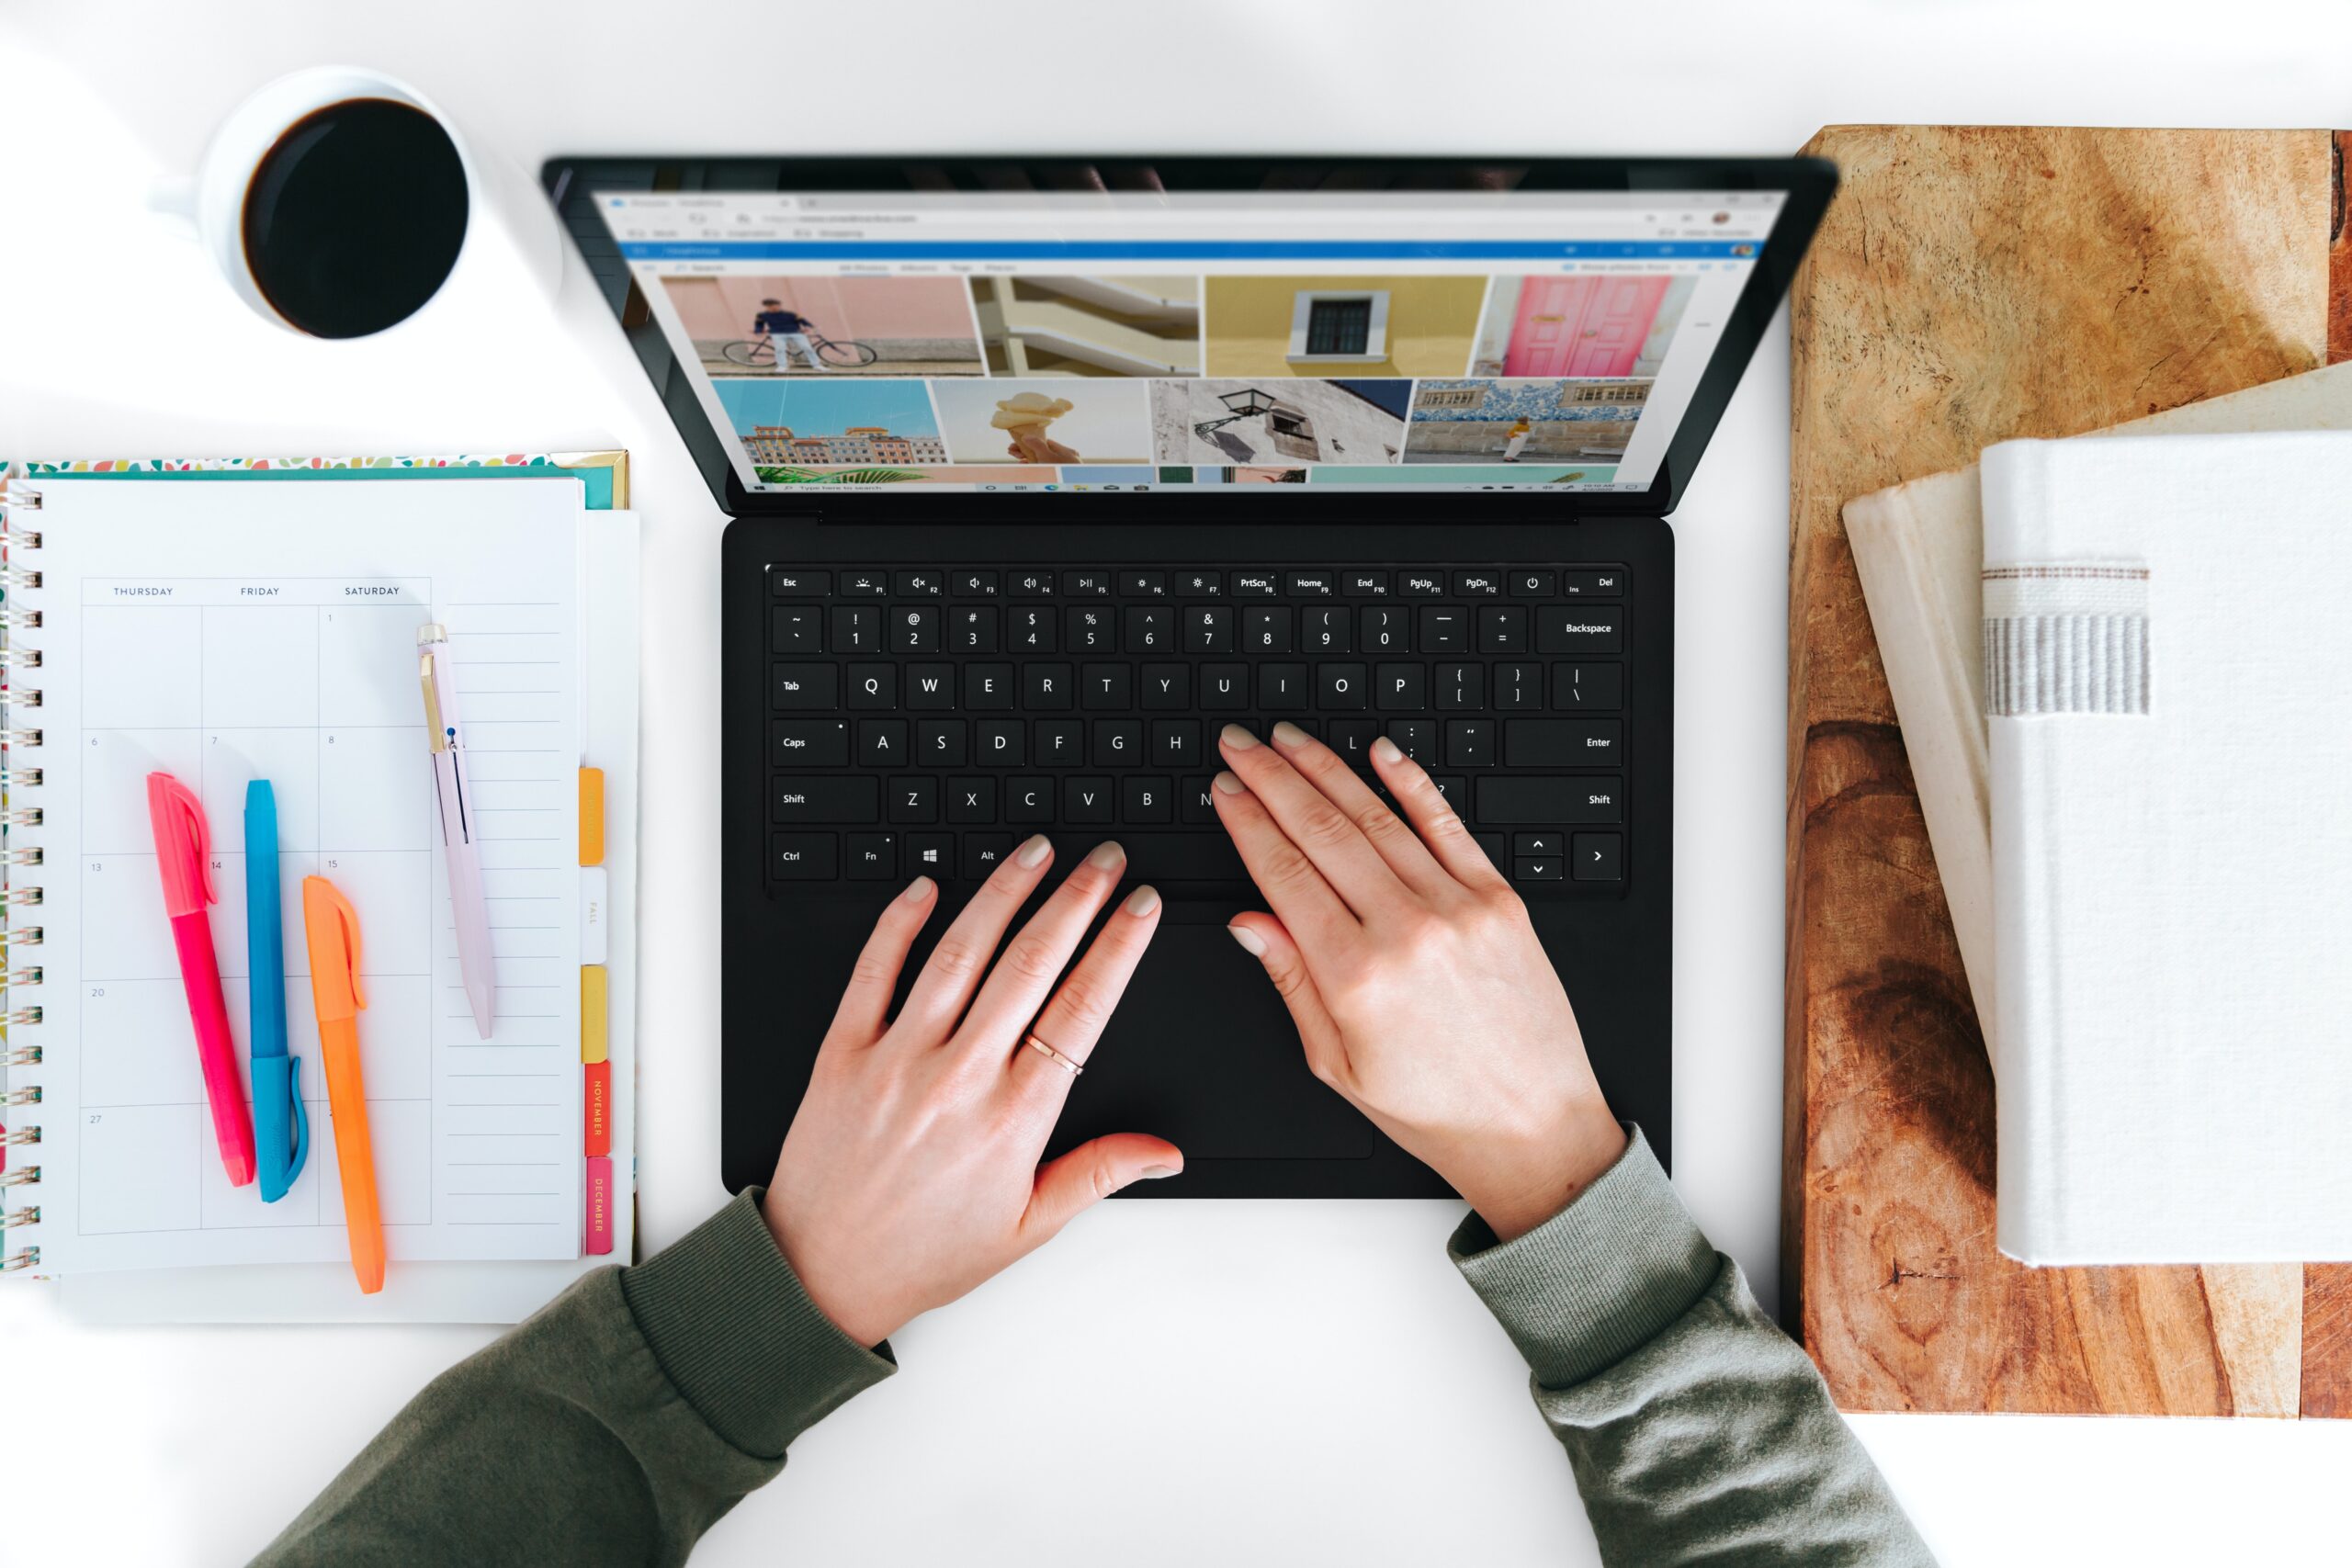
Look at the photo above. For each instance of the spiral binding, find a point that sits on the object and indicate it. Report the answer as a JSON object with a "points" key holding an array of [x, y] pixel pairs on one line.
{"points": [[17, 498]]}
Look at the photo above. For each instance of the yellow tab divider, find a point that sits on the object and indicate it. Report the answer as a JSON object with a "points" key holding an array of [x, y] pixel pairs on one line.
{"points": [[592, 1013]]}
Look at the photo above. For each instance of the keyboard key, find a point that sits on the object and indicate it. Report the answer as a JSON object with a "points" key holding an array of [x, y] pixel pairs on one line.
{"points": [[873, 686], [1089, 628], [839, 797], [1175, 742], [913, 798], [1029, 800], [1502, 628], [1491, 846], [1225, 688], [1048, 688], [931, 855], [1592, 584], [930, 688], [1281, 688], [1401, 687], [1192, 799], [1061, 742], [1003, 743], [808, 743], [1597, 686], [1032, 585], [972, 629], [1118, 742], [1085, 582], [1444, 628], [1469, 742], [914, 628], [973, 584], [987, 688], [1352, 738], [971, 800], [1308, 584], [1509, 799], [804, 685], [1143, 584], [1421, 584], [1209, 629], [1086, 801], [1254, 584], [794, 629], [1462, 685], [1519, 686], [1106, 686], [1416, 738], [1266, 629], [1199, 584], [1324, 629], [857, 629], [873, 857], [1530, 582], [882, 742], [1167, 686], [1536, 868], [1162, 858], [942, 743], [1598, 857], [925, 583], [1146, 801], [796, 582], [1478, 581], [1578, 629], [865, 584], [1030, 630], [1455, 792], [802, 857], [1563, 742], [1151, 629], [1549, 844], [1341, 687], [983, 853], [1383, 630], [1363, 584]]}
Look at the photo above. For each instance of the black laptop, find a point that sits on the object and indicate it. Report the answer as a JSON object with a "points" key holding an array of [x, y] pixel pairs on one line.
{"points": [[1042, 471]]}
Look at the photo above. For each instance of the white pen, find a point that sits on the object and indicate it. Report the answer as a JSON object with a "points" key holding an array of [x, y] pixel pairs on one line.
{"points": [[438, 676]]}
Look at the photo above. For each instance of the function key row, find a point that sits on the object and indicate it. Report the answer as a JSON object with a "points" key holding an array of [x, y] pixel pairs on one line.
{"points": [[1245, 583]]}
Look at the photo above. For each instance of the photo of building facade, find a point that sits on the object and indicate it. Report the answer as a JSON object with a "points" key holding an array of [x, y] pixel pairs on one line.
{"points": [[861, 444], [1555, 421], [1606, 325], [1279, 426], [1090, 326], [1341, 326]]}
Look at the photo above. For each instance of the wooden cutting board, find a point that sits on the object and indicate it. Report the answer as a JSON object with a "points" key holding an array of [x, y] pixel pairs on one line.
{"points": [[1970, 285]]}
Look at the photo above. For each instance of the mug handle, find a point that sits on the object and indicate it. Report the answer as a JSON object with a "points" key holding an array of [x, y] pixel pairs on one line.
{"points": [[172, 200]]}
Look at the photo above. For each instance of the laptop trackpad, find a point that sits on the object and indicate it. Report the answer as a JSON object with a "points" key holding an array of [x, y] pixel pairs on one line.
{"points": [[1201, 1052]]}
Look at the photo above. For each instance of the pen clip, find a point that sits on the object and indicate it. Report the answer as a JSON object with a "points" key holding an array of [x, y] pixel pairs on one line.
{"points": [[347, 919], [436, 735], [180, 798], [301, 1120]]}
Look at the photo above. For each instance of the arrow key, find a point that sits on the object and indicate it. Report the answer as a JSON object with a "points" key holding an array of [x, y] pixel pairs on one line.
{"points": [[1598, 857], [1535, 868]]}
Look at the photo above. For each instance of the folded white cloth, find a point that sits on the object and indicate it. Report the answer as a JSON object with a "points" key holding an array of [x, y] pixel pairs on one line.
{"points": [[2168, 680]]}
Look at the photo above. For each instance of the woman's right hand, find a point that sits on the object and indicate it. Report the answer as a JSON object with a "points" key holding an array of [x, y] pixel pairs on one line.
{"points": [[1415, 979]]}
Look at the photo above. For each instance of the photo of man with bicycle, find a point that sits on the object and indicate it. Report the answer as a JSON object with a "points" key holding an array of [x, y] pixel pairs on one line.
{"points": [[786, 330], [758, 325]]}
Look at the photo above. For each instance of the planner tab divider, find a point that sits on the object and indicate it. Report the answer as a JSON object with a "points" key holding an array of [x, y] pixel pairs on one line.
{"points": [[596, 1068]]}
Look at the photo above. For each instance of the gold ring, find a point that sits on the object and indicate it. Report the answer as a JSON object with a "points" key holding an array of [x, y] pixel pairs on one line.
{"points": [[1064, 1063]]}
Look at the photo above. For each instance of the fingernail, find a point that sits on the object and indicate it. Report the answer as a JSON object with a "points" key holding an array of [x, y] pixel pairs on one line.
{"points": [[1249, 940], [1386, 750], [1035, 849], [917, 890], [1107, 854], [1157, 1172], [1233, 735], [1227, 784], [1288, 734], [1142, 901]]}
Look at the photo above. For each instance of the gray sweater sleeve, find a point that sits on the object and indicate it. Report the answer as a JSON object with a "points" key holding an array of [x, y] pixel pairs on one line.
{"points": [[1697, 1430]]}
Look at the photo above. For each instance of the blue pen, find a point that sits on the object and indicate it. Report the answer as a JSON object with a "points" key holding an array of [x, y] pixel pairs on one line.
{"points": [[281, 1130]]}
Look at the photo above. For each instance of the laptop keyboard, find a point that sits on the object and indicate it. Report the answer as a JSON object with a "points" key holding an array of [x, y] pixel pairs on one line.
{"points": [[928, 719]]}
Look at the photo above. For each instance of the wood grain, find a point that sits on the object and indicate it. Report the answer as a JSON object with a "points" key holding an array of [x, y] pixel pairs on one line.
{"points": [[1969, 286]]}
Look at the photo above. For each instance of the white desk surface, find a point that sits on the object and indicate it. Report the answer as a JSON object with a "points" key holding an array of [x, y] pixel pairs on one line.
{"points": [[1168, 1383]]}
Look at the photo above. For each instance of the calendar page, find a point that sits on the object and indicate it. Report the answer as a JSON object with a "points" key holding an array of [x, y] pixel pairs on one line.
{"points": [[223, 633]]}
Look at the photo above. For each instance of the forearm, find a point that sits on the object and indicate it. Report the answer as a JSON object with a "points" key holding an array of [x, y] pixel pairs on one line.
{"points": [[1697, 1430], [613, 1427]]}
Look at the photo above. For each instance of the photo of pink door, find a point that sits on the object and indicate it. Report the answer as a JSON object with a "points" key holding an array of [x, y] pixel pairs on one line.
{"points": [[1581, 326]]}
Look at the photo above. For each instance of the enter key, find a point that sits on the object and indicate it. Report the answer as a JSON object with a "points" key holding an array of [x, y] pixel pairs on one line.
{"points": [[1563, 742]]}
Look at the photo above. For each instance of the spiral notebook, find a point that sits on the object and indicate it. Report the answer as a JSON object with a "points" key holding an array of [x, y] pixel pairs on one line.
{"points": [[227, 631]]}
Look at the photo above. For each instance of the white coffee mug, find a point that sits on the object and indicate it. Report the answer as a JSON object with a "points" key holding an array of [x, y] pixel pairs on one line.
{"points": [[504, 210]]}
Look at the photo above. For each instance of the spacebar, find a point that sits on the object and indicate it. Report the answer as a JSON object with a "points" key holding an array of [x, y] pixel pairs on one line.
{"points": [[1182, 857]]}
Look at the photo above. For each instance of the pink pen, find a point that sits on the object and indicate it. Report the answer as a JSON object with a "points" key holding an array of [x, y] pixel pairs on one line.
{"points": [[184, 858], [455, 791]]}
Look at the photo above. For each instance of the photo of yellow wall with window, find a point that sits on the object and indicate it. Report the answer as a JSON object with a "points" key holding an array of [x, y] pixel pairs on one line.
{"points": [[1341, 326]]}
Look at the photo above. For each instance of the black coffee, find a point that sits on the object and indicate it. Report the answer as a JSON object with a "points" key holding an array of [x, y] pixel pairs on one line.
{"points": [[355, 217]]}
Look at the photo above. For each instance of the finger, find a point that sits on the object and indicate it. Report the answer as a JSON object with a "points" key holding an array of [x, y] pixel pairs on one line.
{"points": [[1262, 937], [1068, 1186], [1434, 819], [1308, 819], [1280, 868], [947, 981], [865, 1004], [1073, 1020], [1385, 831], [1033, 960]]}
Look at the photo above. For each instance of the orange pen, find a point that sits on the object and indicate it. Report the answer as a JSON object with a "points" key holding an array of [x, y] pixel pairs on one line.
{"points": [[331, 927]]}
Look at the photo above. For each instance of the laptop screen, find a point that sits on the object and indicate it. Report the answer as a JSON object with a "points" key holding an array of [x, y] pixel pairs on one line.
{"points": [[1141, 341]]}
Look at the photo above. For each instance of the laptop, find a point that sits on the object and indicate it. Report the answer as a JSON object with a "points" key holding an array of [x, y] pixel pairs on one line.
{"points": [[1040, 472]]}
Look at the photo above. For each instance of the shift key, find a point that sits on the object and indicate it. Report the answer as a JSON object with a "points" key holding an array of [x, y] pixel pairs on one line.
{"points": [[844, 797], [1505, 800], [1564, 743]]}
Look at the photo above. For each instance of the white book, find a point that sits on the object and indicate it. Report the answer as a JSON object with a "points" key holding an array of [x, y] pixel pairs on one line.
{"points": [[2166, 653]]}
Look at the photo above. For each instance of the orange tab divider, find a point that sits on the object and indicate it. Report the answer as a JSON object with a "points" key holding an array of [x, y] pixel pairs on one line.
{"points": [[592, 817]]}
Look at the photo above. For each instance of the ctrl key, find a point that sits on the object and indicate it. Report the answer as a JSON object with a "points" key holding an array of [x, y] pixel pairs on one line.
{"points": [[1597, 857], [802, 857]]}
